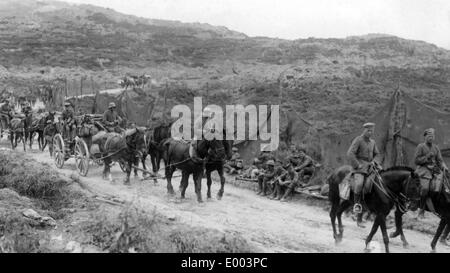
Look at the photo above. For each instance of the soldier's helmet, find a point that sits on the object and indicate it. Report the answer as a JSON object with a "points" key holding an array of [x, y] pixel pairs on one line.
{"points": [[67, 104], [256, 161], [111, 105], [234, 149], [270, 162]]}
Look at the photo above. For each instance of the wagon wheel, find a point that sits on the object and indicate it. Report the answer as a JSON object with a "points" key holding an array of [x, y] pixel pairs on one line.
{"points": [[58, 150], [82, 157]]}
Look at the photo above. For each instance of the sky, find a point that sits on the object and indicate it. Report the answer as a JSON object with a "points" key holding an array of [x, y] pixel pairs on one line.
{"points": [[426, 20]]}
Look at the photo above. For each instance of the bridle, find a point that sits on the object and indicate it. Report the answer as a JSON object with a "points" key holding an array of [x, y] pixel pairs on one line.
{"points": [[400, 200]]}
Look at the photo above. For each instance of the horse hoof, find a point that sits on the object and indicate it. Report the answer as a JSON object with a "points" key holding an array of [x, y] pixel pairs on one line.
{"points": [[200, 200], [405, 245], [219, 197], [394, 234], [433, 251]]}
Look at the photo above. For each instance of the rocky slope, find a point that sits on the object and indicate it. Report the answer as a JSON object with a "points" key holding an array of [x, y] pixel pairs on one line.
{"points": [[334, 83]]}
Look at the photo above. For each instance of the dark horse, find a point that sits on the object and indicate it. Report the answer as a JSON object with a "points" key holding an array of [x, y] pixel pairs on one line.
{"points": [[155, 139], [178, 157], [441, 205], [38, 127], [124, 148], [215, 163], [399, 187]]}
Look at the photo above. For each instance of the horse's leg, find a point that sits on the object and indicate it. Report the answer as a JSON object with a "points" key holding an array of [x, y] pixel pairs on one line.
{"points": [[107, 169], [169, 172], [439, 230], [24, 141], [11, 137], [399, 227], [222, 181], [184, 183], [129, 167], [143, 159], [136, 163], [153, 160], [374, 229], [382, 220], [333, 211], [208, 183], [198, 184], [444, 236], [344, 205]]}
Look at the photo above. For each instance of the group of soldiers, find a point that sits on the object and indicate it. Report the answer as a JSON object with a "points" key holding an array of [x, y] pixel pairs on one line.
{"points": [[8, 112], [111, 120], [362, 155], [277, 178]]}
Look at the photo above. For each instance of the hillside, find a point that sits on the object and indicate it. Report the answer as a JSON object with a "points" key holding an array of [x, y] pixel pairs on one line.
{"points": [[334, 83]]}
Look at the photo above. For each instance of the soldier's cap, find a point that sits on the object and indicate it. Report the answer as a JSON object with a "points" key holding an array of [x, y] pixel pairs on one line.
{"points": [[270, 162], [369, 125], [256, 160], [235, 149], [111, 105], [429, 131], [67, 104]]}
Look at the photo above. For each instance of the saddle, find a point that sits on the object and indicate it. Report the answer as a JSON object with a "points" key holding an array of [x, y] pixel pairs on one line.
{"points": [[348, 184]]}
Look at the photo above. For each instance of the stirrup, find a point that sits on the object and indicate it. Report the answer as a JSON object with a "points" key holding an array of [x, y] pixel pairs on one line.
{"points": [[357, 208]]}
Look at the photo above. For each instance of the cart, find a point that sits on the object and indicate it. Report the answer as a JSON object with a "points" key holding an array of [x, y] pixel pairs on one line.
{"points": [[79, 151]]}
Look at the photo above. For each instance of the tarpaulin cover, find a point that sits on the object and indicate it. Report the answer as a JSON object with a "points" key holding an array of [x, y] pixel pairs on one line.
{"points": [[399, 129]]}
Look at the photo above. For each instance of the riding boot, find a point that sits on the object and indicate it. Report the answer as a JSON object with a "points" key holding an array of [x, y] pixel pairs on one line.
{"points": [[287, 194]]}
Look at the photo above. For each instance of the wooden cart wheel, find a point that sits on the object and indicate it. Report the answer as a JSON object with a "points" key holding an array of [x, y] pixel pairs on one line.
{"points": [[81, 156], [58, 150]]}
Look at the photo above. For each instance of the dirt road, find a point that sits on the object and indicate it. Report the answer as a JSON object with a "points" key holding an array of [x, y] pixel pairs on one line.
{"points": [[270, 226]]}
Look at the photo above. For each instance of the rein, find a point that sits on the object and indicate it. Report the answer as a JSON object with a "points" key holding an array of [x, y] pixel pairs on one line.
{"points": [[400, 200]]}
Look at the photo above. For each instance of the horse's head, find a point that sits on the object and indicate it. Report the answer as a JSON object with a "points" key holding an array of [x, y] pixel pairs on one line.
{"points": [[135, 139], [219, 150]]}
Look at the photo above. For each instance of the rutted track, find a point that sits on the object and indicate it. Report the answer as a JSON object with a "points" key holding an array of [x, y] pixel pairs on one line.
{"points": [[270, 226]]}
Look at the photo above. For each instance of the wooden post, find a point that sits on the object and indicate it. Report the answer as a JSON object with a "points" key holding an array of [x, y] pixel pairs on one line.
{"points": [[165, 101], [207, 93]]}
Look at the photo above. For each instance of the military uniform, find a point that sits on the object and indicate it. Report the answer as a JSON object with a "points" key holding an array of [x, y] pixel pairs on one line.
{"points": [[5, 118], [235, 163], [266, 179], [111, 119], [288, 182], [69, 122], [303, 164], [361, 153], [430, 164]]}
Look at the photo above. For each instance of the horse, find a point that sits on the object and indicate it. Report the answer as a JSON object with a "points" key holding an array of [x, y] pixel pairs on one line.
{"points": [[125, 148], [154, 139], [441, 204], [17, 132], [39, 127], [215, 163], [397, 186], [50, 130], [178, 157]]}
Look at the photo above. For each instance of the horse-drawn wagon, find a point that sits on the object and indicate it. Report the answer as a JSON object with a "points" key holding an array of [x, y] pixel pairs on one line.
{"points": [[80, 147]]}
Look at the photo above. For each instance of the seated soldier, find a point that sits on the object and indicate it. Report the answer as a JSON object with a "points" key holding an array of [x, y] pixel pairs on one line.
{"points": [[303, 164], [112, 120], [288, 183], [267, 178], [234, 165], [253, 171], [68, 119]]}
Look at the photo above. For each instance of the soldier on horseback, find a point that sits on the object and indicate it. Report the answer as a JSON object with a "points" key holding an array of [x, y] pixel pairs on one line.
{"points": [[362, 153], [430, 166], [111, 119]]}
